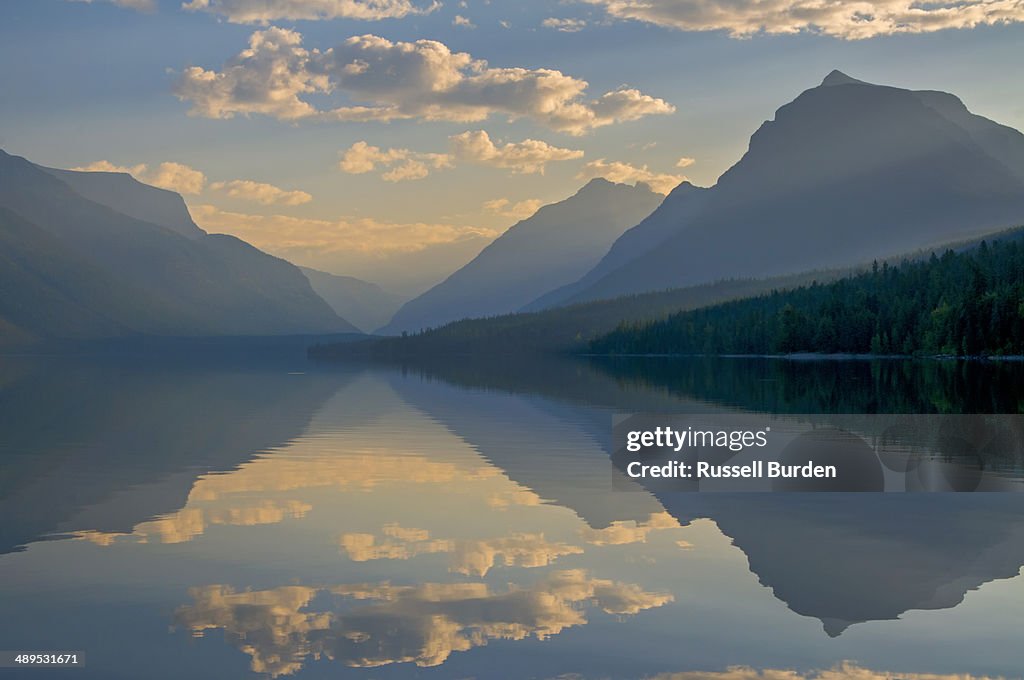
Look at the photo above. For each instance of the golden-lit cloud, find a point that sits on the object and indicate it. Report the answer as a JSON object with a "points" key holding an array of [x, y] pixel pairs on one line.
{"points": [[267, 194], [189, 522], [265, 11], [564, 25], [517, 497], [189, 181], [385, 80], [171, 176], [226, 499], [845, 670], [403, 164], [462, 22], [519, 210], [529, 156], [685, 162], [285, 235], [631, 531], [836, 18], [472, 557], [617, 171], [421, 624], [526, 157]]}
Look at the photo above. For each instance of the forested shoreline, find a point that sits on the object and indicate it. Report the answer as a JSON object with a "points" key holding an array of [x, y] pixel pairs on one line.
{"points": [[968, 303]]}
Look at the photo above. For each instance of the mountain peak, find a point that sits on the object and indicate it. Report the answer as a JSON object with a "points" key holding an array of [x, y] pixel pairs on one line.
{"points": [[837, 77]]}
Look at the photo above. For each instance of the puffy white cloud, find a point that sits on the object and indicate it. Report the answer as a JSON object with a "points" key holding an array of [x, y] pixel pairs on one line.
{"points": [[267, 194], [519, 210], [837, 18], [617, 171], [528, 156], [564, 25], [362, 158], [685, 162], [265, 11], [171, 176], [404, 164], [385, 80], [462, 22], [140, 5], [265, 78]]}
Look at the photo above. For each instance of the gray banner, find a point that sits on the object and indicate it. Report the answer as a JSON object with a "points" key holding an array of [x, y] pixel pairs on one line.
{"points": [[876, 453]]}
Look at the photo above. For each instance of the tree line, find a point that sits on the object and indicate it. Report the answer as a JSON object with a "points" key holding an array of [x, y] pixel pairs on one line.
{"points": [[966, 303]]}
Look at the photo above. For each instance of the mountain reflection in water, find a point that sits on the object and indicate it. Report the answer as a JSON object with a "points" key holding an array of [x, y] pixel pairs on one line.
{"points": [[459, 520]]}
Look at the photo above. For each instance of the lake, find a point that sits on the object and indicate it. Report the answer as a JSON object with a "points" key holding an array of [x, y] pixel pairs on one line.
{"points": [[458, 519]]}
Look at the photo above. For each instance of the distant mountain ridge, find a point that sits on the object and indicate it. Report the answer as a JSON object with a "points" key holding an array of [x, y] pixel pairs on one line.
{"points": [[79, 269], [846, 172], [555, 246], [364, 304]]}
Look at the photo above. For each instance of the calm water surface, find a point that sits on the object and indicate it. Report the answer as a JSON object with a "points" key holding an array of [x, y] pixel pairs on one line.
{"points": [[287, 519]]}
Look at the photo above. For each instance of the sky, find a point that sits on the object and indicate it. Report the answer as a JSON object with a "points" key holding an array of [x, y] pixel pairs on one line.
{"points": [[391, 140]]}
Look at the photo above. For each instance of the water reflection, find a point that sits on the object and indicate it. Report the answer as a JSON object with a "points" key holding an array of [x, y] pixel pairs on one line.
{"points": [[376, 624], [846, 670], [460, 521]]}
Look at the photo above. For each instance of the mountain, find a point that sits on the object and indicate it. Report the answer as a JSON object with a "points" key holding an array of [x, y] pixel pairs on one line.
{"points": [[845, 173], [128, 196], [364, 304], [680, 205], [75, 268], [554, 247]]}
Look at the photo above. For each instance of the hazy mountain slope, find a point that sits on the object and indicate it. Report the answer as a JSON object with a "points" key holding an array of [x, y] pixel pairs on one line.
{"points": [[126, 195], [571, 328], [214, 285], [845, 173], [680, 205], [48, 291], [555, 246], [364, 304]]}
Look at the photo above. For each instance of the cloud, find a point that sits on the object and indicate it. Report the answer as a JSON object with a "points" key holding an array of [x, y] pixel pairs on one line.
{"points": [[626, 532], [518, 211], [140, 5], [171, 176], [616, 171], [404, 257], [472, 557], [283, 234], [267, 194], [384, 80], [564, 25], [845, 670], [685, 162], [265, 11], [462, 22], [361, 158], [377, 624], [836, 18], [527, 157], [189, 522]]}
